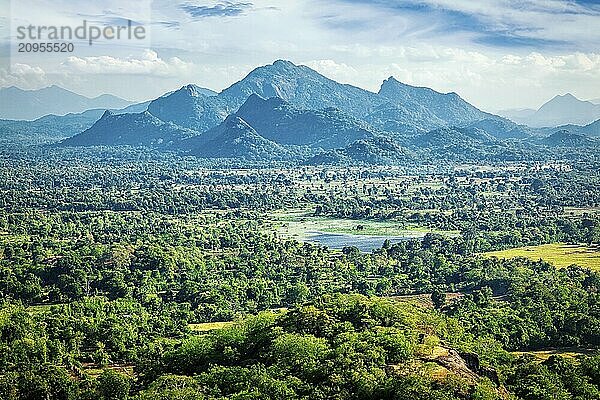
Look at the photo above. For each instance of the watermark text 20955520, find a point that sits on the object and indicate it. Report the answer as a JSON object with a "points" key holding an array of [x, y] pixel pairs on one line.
{"points": [[45, 47]]}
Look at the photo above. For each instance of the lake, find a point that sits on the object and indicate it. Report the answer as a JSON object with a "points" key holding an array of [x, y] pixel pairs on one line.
{"points": [[365, 243]]}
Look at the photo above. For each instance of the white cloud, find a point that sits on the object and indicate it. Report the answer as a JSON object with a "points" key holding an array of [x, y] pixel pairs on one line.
{"points": [[24, 76], [148, 64], [342, 72], [573, 63]]}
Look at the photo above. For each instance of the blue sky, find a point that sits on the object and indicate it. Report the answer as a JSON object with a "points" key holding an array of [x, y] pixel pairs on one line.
{"points": [[495, 53], [530, 23]]}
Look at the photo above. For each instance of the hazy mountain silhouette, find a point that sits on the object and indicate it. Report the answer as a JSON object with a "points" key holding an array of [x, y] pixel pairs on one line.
{"points": [[32, 104]]}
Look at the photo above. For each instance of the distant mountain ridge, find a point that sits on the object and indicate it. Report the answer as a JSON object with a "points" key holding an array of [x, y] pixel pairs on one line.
{"points": [[294, 105], [410, 108], [560, 110], [52, 128], [19, 104]]}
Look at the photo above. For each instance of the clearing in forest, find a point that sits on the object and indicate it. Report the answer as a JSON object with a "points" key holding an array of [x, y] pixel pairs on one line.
{"points": [[559, 254]]}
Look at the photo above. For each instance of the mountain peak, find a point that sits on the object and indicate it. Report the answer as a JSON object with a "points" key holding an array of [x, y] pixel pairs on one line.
{"points": [[235, 138], [302, 87], [284, 63], [280, 121], [568, 96], [235, 121], [141, 129], [563, 110], [564, 99], [191, 89], [392, 82], [192, 107], [392, 79], [107, 114]]}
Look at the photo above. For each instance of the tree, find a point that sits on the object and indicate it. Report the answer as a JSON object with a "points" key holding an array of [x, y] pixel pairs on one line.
{"points": [[113, 385], [438, 298]]}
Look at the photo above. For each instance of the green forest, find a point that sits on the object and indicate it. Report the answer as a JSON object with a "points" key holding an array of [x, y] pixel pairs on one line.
{"points": [[131, 274]]}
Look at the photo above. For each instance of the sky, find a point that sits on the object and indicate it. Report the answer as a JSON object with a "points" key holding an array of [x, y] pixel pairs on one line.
{"points": [[497, 54]]}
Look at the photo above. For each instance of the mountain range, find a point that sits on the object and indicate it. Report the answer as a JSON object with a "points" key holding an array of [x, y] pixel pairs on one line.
{"points": [[293, 105], [19, 104], [284, 111], [560, 110]]}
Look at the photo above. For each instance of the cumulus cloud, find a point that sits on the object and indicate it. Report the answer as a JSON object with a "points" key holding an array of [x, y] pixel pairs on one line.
{"points": [[342, 72], [149, 64], [577, 62], [24, 76]]}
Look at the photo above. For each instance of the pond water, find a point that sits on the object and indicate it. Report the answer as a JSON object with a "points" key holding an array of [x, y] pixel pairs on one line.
{"points": [[365, 243]]}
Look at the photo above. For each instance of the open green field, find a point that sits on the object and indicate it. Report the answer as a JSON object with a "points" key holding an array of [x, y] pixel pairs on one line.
{"points": [[559, 254], [569, 352], [579, 211], [299, 224], [209, 326]]}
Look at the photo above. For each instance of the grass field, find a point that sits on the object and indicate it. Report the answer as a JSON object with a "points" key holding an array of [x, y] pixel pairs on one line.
{"points": [[570, 352], [209, 326], [559, 254]]}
